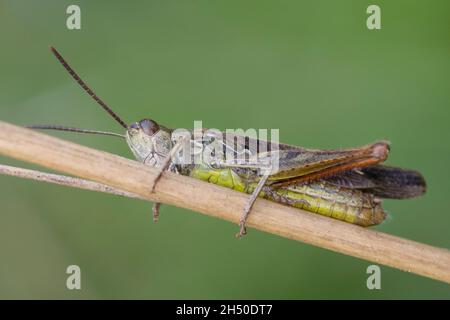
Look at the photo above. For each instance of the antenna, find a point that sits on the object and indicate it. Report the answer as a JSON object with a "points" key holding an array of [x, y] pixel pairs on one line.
{"points": [[71, 129], [87, 89]]}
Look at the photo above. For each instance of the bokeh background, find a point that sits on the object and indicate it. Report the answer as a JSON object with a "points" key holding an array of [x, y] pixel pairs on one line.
{"points": [[310, 68]]}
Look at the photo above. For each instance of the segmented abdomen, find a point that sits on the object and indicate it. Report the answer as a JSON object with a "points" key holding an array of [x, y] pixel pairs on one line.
{"points": [[341, 203], [320, 197]]}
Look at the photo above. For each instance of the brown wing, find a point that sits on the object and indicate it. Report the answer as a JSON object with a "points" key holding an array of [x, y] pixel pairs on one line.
{"points": [[382, 181], [303, 165], [298, 165]]}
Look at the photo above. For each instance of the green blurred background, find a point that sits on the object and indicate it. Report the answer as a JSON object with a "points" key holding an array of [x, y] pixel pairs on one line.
{"points": [[310, 68]]}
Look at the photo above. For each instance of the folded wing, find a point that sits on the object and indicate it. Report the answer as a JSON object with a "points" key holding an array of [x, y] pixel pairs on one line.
{"points": [[382, 181]]}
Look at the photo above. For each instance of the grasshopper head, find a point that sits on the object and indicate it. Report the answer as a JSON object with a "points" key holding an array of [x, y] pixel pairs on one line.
{"points": [[149, 142]]}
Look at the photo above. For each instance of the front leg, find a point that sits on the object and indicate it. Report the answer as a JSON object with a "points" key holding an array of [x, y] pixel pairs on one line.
{"points": [[164, 166], [167, 161]]}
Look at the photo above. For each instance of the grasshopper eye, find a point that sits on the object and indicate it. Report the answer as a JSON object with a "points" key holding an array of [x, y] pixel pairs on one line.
{"points": [[149, 127]]}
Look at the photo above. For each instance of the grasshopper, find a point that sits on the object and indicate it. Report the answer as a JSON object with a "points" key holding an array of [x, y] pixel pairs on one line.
{"points": [[345, 184]]}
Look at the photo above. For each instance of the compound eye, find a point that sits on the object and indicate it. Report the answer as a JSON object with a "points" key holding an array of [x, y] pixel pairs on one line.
{"points": [[149, 127]]}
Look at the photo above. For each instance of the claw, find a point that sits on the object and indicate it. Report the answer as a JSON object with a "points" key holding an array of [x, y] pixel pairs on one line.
{"points": [[155, 210], [242, 231]]}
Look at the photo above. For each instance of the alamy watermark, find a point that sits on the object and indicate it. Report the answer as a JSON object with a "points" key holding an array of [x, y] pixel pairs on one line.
{"points": [[73, 281], [373, 22], [374, 280], [232, 147], [73, 21]]}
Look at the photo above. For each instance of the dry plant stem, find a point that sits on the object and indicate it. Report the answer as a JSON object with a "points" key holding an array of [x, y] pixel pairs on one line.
{"points": [[63, 180], [216, 201]]}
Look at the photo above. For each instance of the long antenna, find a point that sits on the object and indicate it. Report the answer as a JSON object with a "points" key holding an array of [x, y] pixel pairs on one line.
{"points": [[87, 89], [72, 129]]}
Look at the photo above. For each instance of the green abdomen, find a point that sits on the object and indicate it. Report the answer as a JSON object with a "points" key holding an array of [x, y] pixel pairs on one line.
{"points": [[341, 203]]}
